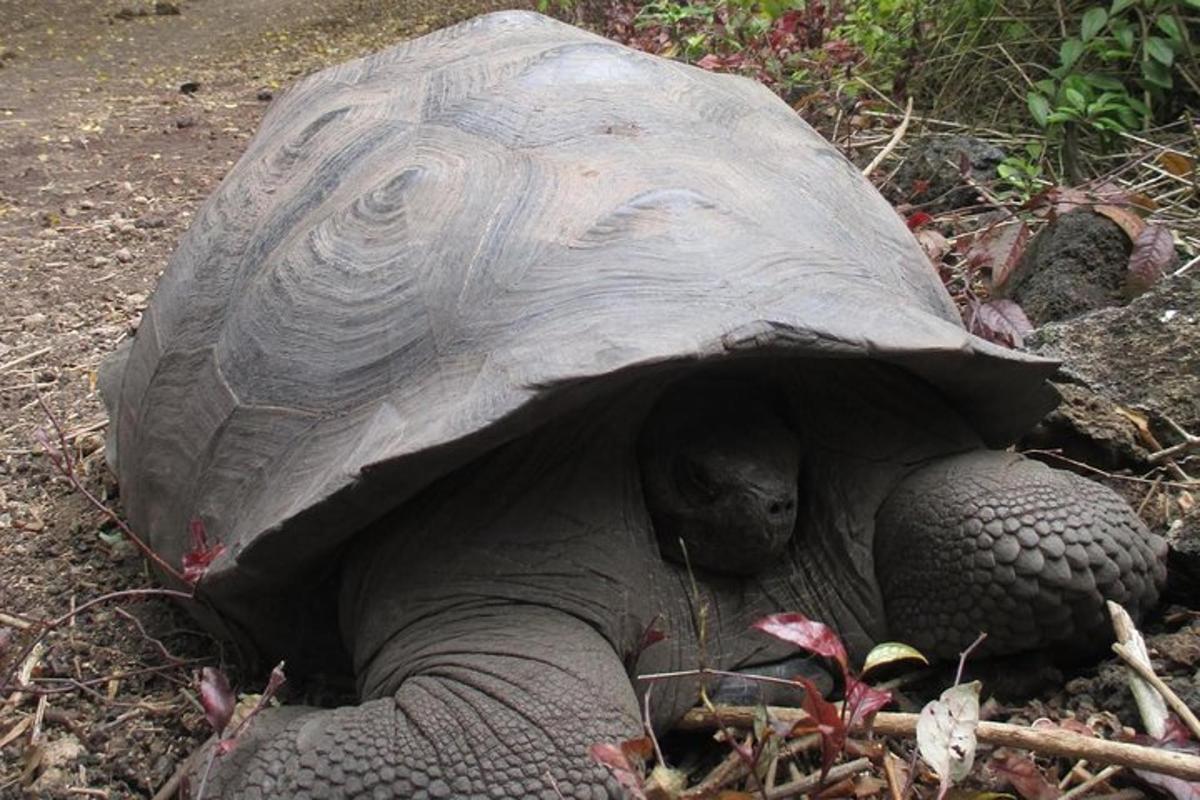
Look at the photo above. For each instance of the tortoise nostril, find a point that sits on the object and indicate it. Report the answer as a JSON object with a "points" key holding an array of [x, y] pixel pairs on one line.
{"points": [[780, 507]]}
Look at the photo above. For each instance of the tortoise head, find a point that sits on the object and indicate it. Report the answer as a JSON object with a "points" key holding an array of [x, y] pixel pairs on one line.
{"points": [[720, 473]]}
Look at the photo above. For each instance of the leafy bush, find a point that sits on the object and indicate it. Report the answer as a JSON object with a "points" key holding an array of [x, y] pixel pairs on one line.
{"points": [[1120, 64]]}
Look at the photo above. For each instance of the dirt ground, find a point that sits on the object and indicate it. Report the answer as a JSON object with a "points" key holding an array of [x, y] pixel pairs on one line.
{"points": [[117, 118]]}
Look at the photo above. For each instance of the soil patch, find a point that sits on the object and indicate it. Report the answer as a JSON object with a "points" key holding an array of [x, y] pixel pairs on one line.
{"points": [[117, 118]]}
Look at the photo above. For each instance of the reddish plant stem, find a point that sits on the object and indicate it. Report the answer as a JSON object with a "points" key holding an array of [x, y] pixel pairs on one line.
{"points": [[65, 464]]}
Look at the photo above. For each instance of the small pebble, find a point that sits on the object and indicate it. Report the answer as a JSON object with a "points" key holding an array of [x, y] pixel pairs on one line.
{"points": [[123, 255]]}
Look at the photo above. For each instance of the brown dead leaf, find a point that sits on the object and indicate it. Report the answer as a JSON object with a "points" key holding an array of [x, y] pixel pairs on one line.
{"points": [[1023, 774], [1126, 219], [933, 243], [1152, 256], [1001, 321], [999, 249], [1143, 201], [1176, 163], [1142, 424], [843, 788]]}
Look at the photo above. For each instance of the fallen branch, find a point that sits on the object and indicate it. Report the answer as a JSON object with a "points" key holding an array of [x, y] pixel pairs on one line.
{"points": [[1046, 741]]}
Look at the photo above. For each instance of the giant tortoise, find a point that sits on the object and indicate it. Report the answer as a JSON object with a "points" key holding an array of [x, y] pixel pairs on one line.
{"points": [[494, 340]]}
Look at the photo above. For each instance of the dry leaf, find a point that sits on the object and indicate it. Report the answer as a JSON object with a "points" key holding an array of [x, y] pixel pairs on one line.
{"points": [[1176, 163], [1020, 771], [1000, 321], [1153, 254], [946, 733], [999, 249], [1127, 220], [933, 243]]}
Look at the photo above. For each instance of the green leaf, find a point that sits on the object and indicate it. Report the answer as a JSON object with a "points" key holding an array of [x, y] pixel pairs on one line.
{"points": [[1061, 115], [1094, 20], [1193, 3], [889, 653], [1170, 26], [1160, 50], [1039, 107], [1124, 34], [1157, 73], [1069, 52], [1104, 82], [1118, 6], [1076, 99], [1047, 86]]}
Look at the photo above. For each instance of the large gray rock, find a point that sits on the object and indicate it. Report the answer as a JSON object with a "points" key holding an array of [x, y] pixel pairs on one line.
{"points": [[1076, 264], [1145, 355]]}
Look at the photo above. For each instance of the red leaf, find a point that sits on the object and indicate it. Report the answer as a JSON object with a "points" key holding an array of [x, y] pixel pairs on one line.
{"points": [[1024, 775], [197, 560], [216, 697], [864, 701], [1153, 254], [826, 721], [999, 249], [804, 632], [918, 220], [999, 321]]}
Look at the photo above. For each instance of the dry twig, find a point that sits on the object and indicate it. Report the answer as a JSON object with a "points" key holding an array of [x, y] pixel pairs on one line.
{"points": [[895, 140], [1047, 741]]}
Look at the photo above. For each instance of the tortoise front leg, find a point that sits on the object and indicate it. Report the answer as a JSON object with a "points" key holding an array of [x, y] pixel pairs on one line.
{"points": [[504, 705], [994, 542]]}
